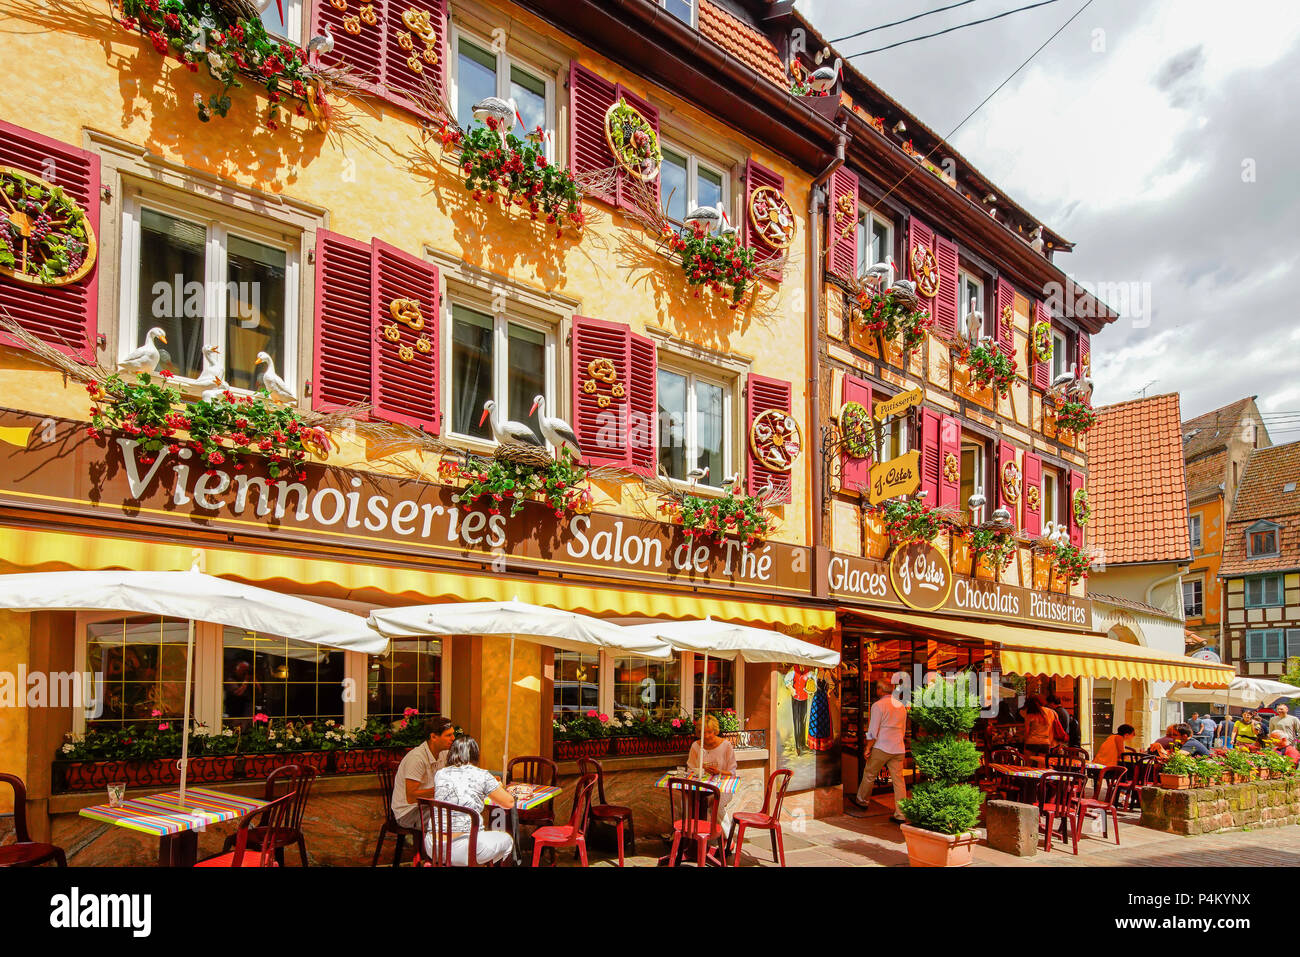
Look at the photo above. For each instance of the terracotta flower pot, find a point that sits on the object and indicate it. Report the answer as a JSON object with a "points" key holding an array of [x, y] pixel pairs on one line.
{"points": [[1175, 782], [932, 849]]}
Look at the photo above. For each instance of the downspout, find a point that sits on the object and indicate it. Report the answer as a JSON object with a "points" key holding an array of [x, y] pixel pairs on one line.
{"points": [[817, 259], [1158, 583]]}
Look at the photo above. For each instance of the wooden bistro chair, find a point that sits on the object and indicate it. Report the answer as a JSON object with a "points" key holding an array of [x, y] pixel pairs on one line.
{"points": [[574, 833], [693, 809], [273, 816], [1143, 771], [606, 813], [1007, 787], [1058, 799], [1113, 783], [768, 819], [25, 852], [436, 821], [289, 780], [542, 772], [387, 776]]}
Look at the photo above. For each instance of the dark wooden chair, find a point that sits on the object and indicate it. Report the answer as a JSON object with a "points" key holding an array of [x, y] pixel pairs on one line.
{"points": [[1009, 788], [293, 781], [1066, 758], [537, 770], [768, 819], [436, 821], [387, 776], [605, 813], [1058, 799], [1112, 786], [573, 834], [693, 809], [1143, 771], [272, 816], [25, 852]]}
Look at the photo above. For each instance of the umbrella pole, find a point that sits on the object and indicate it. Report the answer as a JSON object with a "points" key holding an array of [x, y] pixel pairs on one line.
{"points": [[185, 726], [510, 686], [704, 709]]}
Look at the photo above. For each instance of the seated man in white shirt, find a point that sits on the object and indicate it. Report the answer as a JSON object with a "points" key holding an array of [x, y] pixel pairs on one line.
{"points": [[417, 769], [884, 747]]}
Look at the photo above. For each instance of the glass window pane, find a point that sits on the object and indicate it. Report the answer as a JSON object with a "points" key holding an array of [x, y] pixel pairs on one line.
{"points": [[710, 431], [409, 676], [471, 370], [672, 423], [278, 25], [880, 250], [708, 187], [171, 290], [527, 373], [646, 688], [577, 683], [529, 93], [681, 9], [142, 663], [970, 480], [277, 677], [864, 247], [476, 79], [672, 185], [255, 310], [722, 684]]}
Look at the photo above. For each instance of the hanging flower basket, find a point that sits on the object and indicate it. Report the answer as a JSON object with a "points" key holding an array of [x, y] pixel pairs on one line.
{"points": [[1070, 563], [911, 520], [1075, 415], [714, 519], [718, 263], [45, 237], [989, 366], [508, 483], [992, 549], [884, 314]]}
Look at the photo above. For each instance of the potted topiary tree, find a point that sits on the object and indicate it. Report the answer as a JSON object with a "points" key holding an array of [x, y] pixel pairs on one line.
{"points": [[944, 808]]}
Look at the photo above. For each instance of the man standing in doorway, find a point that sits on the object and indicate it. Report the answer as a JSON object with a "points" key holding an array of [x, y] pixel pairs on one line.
{"points": [[884, 748]]}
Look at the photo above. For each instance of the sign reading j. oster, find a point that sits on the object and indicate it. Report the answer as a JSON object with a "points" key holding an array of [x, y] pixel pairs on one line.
{"points": [[900, 476]]}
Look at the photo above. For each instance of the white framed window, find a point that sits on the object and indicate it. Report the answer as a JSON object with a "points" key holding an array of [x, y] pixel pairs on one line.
{"points": [[501, 356], [477, 72], [287, 26], [973, 458], [206, 281], [619, 685], [686, 11], [695, 424], [687, 181], [1060, 354], [971, 289], [875, 241], [1193, 598], [894, 437], [1194, 528]]}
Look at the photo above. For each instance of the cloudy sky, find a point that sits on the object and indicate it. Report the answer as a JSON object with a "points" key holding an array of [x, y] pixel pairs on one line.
{"points": [[1161, 137]]}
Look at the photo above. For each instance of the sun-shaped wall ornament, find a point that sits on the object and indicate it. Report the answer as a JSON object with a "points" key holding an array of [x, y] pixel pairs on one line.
{"points": [[925, 270], [771, 217], [775, 440]]}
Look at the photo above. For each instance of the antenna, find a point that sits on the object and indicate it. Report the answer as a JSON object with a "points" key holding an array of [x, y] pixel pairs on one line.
{"points": [[1143, 391]]}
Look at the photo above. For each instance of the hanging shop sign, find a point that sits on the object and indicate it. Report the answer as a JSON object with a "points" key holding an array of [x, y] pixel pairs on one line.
{"points": [[900, 476], [51, 466], [898, 404], [921, 576]]}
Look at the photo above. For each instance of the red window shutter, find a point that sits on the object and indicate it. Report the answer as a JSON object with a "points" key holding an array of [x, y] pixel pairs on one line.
{"points": [[1032, 478], [65, 317], [930, 455], [344, 344], [918, 233], [601, 430], [626, 198], [855, 474], [590, 97], [761, 394], [404, 390], [842, 233], [1085, 353], [643, 407], [949, 445], [364, 51], [757, 175], [405, 86], [1076, 530], [1007, 456], [946, 302], [1042, 370], [1006, 298]]}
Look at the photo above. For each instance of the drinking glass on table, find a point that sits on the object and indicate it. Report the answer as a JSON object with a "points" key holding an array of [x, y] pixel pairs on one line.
{"points": [[116, 793]]}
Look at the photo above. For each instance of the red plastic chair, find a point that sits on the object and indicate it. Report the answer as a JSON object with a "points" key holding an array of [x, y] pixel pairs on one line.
{"points": [[274, 815], [693, 809], [1113, 780], [572, 834], [1058, 798], [604, 813], [763, 820], [387, 777], [537, 770], [25, 852], [295, 781]]}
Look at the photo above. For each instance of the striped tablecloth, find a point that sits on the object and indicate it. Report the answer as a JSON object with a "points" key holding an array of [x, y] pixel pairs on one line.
{"points": [[1016, 771], [162, 814], [540, 796], [726, 783]]}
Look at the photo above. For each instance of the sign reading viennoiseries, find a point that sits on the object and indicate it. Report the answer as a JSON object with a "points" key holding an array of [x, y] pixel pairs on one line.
{"points": [[900, 476], [898, 404], [51, 465], [921, 576]]}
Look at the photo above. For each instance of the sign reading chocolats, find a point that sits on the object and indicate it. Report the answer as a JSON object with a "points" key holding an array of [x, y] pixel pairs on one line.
{"points": [[51, 465], [901, 582]]}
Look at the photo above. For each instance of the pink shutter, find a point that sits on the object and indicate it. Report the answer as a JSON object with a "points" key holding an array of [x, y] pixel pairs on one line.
{"points": [[1032, 478], [590, 97], [757, 175], [601, 429], [363, 52], [407, 86], [1076, 530], [855, 474], [1085, 353], [1006, 336], [946, 302], [918, 233], [842, 225], [1007, 456], [1042, 370], [643, 407], [404, 390], [625, 196], [761, 394], [930, 461], [949, 445], [344, 345], [65, 317]]}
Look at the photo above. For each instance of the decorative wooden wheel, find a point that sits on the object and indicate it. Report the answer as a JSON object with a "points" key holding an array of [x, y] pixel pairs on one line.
{"points": [[633, 141], [925, 271], [1011, 482], [45, 237], [775, 440], [771, 217]]}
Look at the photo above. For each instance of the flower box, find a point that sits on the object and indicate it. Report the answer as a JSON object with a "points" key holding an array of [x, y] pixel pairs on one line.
{"points": [[590, 748], [215, 767], [1175, 782], [361, 760], [643, 745], [260, 765], [93, 775], [961, 555], [875, 536]]}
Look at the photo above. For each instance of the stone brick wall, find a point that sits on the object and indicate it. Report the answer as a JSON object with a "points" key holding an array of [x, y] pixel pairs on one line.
{"points": [[1225, 807]]}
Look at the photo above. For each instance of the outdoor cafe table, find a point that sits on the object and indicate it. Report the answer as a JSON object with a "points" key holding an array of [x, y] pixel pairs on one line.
{"points": [[541, 794], [1029, 776], [725, 783], [176, 826]]}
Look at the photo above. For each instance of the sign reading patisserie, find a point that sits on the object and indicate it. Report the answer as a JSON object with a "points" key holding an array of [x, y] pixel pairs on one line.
{"points": [[898, 404]]}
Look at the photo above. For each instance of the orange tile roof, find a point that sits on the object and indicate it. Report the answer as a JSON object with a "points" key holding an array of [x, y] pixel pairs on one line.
{"points": [[1263, 494], [1137, 483], [1205, 475], [743, 41], [1213, 429]]}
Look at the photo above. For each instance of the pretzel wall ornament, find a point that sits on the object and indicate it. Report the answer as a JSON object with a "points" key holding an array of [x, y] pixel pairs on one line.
{"points": [[951, 468], [925, 270], [603, 371], [772, 218], [392, 333], [1011, 482], [352, 24], [846, 209], [1008, 317], [418, 22], [368, 15], [775, 440], [1031, 498], [407, 311]]}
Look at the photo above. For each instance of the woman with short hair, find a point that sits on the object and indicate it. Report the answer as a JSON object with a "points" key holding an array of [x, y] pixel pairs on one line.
{"points": [[463, 783]]}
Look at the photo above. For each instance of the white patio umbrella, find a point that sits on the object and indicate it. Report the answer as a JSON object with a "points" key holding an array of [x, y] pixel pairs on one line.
{"points": [[1241, 693], [194, 596], [555, 628], [722, 639]]}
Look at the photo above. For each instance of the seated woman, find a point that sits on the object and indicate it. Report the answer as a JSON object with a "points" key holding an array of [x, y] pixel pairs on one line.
{"points": [[462, 783], [1167, 744], [719, 758]]}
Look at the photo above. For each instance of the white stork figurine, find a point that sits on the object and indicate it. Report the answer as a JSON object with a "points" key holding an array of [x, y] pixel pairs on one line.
{"points": [[556, 431], [214, 369], [708, 218], [322, 43], [733, 483], [1036, 240], [974, 326], [1065, 378], [822, 79], [881, 274], [277, 387], [696, 475], [493, 107], [145, 359], [511, 433]]}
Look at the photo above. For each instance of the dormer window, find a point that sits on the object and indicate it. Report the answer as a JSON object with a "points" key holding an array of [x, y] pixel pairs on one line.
{"points": [[683, 10], [1261, 540]]}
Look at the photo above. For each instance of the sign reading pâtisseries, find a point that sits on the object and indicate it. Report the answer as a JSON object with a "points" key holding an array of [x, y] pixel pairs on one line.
{"points": [[903, 582], [52, 465]]}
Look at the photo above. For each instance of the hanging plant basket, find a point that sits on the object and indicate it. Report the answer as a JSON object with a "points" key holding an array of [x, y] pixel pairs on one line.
{"points": [[1075, 415], [718, 263], [1070, 563], [45, 237], [714, 519], [989, 366]]}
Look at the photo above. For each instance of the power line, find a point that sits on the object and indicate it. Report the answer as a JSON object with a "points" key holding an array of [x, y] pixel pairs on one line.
{"points": [[960, 26], [898, 22]]}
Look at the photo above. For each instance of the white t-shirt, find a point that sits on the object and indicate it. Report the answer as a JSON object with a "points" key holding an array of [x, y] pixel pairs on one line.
{"points": [[723, 757], [466, 786], [420, 765]]}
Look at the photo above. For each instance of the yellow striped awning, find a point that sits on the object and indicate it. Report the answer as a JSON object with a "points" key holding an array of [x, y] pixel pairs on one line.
{"points": [[1043, 651], [24, 549]]}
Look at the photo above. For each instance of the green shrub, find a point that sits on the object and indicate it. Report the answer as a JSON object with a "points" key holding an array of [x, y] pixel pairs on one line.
{"points": [[945, 758], [944, 711], [1179, 764], [946, 706], [946, 808]]}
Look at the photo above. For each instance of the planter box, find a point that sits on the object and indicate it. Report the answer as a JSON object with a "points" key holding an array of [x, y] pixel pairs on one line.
{"points": [[1175, 782], [634, 745], [362, 760], [961, 556], [875, 539], [215, 767], [93, 775], [932, 849], [260, 765], [572, 750]]}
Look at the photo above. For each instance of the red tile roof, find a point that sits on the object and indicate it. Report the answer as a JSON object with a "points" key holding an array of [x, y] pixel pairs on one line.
{"points": [[1205, 475], [743, 41], [1137, 485], [1263, 495]]}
